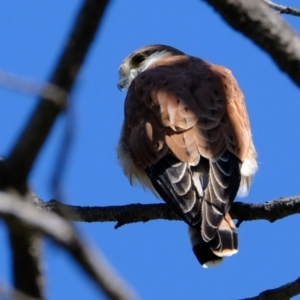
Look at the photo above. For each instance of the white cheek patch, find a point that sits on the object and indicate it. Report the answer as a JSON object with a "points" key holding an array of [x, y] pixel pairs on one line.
{"points": [[132, 74], [154, 58]]}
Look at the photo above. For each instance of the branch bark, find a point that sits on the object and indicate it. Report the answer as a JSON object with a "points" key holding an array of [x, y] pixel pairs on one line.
{"points": [[14, 170], [16, 211], [265, 28], [133, 213], [284, 292], [25, 244]]}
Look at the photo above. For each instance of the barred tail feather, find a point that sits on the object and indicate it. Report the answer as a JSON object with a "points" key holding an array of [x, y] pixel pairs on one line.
{"points": [[202, 250], [225, 243], [205, 256]]}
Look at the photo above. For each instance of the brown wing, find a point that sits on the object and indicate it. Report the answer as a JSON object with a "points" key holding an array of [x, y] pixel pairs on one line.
{"points": [[186, 126]]}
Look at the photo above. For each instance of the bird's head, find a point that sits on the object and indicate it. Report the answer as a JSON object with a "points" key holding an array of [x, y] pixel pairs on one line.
{"points": [[140, 60]]}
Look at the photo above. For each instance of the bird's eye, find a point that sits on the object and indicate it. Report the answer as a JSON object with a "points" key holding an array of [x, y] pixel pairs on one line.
{"points": [[137, 60]]}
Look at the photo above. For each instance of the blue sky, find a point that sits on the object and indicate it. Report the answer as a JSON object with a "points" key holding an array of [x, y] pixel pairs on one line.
{"points": [[155, 257]]}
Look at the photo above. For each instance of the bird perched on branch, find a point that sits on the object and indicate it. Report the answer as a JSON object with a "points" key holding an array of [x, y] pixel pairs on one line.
{"points": [[186, 136]]}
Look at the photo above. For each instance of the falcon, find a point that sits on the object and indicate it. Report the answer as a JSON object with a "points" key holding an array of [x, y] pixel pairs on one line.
{"points": [[186, 136]]}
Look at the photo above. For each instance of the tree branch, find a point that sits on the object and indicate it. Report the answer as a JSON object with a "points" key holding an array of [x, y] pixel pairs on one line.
{"points": [[266, 28], [27, 147], [253, 18], [269, 211], [29, 86], [25, 245], [284, 292], [283, 9], [14, 170], [132, 213], [13, 209]]}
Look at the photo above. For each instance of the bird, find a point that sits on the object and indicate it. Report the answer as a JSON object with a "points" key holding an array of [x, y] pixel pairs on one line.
{"points": [[186, 136]]}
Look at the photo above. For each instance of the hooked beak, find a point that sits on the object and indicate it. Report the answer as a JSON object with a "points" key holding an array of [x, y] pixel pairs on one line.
{"points": [[122, 84]]}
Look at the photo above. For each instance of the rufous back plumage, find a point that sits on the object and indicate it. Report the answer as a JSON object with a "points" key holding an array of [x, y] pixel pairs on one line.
{"points": [[186, 135]]}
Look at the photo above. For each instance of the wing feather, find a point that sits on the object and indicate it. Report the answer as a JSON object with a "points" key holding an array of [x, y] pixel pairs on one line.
{"points": [[180, 113]]}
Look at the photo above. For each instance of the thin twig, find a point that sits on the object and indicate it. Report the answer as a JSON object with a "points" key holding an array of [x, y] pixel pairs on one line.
{"points": [[30, 86], [61, 232], [132, 213], [283, 9], [284, 292], [62, 159]]}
